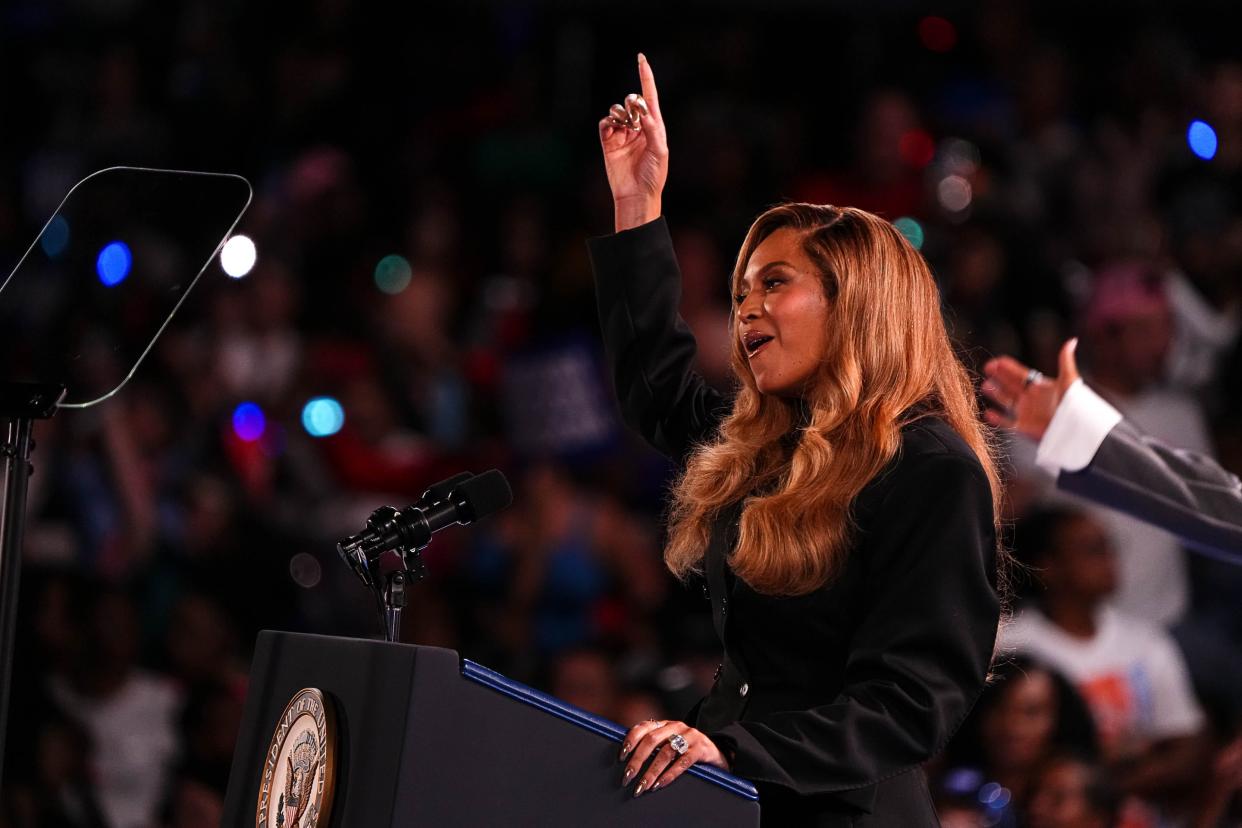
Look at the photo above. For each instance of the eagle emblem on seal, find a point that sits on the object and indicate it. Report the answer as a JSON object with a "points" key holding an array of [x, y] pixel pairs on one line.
{"points": [[303, 762], [299, 771]]}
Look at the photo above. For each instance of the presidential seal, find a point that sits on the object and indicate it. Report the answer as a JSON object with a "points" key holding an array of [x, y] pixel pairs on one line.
{"points": [[300, 771]]}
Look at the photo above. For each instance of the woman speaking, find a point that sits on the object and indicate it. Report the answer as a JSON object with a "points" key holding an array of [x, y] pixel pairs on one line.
{"points": [[840, 505]]}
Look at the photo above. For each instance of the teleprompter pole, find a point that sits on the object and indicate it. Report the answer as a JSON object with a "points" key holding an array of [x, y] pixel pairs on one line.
{"points": [[20, 405]]}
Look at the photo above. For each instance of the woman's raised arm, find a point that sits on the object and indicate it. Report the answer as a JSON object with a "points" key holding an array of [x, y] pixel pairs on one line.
{"points": [[638, 288]]}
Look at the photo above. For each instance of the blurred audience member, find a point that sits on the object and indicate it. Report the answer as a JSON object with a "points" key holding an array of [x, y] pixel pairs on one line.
{"points": [[585, 678], [1129, 671], [1026, 715], [52, 787], [1128, 333], [129, 713], [1072, 792]]}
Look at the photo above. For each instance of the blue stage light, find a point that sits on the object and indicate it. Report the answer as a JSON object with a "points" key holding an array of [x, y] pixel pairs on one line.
{"points": [[113, 263], [322, 417], [1202, 139], [248, 422]]}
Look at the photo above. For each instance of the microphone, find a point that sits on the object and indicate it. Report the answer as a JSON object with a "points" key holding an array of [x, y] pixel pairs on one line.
{"points": [[443, 489], [461, 499]]}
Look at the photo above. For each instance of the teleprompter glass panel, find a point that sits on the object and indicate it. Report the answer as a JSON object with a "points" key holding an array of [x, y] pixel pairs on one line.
{"points": [[88, 299]]}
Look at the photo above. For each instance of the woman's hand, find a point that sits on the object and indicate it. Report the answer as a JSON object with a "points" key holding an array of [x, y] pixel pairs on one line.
{"points": [[1027, 405], [650, 737], [636, 160]]}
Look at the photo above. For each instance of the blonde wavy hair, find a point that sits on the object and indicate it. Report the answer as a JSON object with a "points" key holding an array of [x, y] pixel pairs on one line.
{"points": [[889, 362]]}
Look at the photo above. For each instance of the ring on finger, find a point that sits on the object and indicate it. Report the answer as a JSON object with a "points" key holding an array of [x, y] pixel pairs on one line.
{"points": [[678, 743], [629, 114], [1032, 376]]}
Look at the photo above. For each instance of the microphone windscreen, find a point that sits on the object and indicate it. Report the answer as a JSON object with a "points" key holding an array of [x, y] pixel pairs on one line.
{"points": [[482, 495]]}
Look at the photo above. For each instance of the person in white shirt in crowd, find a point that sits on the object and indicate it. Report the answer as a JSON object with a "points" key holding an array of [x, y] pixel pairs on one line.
{"points": [[129, 713], [1129, 671]]}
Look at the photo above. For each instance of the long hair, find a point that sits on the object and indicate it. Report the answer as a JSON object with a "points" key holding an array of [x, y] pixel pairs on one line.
{"points": [[888, 361]]}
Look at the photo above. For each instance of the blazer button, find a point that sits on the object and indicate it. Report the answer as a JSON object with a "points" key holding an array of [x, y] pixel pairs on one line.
{"points": [[743, 690]]}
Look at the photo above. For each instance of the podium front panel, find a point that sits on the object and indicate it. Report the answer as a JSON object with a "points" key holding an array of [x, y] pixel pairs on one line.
{"points": [[422, 745]]}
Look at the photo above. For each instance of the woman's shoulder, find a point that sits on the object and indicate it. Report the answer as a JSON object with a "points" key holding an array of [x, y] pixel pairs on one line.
{"points": [[934, 465], [930, 449], [930, 437]]}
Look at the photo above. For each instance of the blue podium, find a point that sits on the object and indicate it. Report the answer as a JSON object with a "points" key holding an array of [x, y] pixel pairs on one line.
{"points": [[424, 738]]}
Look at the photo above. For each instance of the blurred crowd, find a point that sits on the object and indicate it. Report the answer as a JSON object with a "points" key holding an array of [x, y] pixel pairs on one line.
{"points": [[423, 188]]}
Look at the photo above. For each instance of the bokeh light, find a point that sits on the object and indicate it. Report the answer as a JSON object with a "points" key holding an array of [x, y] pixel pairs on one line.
{"points": [[322, 416], [989, 793], [917, 148], [248, 422], [959, 157], [305, 570], [954, 193], [393, 274], [912, 230], [937, 34], [238, 256], [55, 237], [1202, 140], [113, 263]]}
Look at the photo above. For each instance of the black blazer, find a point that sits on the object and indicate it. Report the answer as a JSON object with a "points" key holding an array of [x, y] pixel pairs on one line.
{"points": [[1179, 491], [828, 702]]}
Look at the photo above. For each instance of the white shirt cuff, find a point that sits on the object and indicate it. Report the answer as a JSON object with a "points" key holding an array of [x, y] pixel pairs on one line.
{"points": [[1080, 423]]}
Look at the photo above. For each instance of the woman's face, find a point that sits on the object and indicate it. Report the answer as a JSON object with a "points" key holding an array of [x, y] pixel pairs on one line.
{"points": [[782, 315], [1018, 729]]}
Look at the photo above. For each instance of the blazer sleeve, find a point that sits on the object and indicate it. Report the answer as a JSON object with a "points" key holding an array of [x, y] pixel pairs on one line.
{"points": [[920, 654], [1180, 491], [650, 349]]}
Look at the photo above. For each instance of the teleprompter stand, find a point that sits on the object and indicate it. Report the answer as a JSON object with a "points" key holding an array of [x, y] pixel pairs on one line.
{"points": [[21, 403]]}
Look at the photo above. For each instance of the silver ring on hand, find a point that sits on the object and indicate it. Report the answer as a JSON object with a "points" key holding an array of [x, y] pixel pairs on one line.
{"points": [[678, 743], [1032, 376]]}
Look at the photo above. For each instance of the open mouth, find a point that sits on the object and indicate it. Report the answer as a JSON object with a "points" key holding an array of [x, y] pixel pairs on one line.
{"points": [[754, 341]]}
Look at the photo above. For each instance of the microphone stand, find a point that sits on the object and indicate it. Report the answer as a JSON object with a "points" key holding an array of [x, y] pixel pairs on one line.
{"points": [[389, 584], [394, 603], [21, 403], [395, 594]]}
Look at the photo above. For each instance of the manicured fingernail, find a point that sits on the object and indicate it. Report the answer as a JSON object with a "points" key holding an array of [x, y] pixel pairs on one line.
{"points": [[642, 58], [629, 774], [625, 751], [639, 789], [656, 786]]}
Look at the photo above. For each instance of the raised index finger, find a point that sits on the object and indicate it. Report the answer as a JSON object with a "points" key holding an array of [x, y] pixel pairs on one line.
{"points": [[647, 78]]}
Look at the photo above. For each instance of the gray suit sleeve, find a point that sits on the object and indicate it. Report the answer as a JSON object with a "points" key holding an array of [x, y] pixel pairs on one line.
{"points": [[1180, 491]]}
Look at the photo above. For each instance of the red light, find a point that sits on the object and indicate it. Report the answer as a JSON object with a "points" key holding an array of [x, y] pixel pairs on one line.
{"points": [[917, 148], [937, 34]]}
